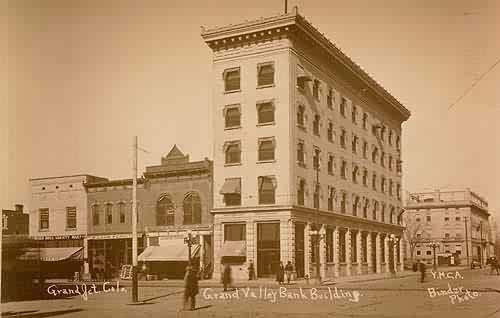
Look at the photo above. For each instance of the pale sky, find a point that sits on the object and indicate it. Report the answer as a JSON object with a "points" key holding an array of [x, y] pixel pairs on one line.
{"points": [[84, 77]]}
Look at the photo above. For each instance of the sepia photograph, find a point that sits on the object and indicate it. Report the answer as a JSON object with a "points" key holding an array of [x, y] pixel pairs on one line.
{"points": [[266, 158]]}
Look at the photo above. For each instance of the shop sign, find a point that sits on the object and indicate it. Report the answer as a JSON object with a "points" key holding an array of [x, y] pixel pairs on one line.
{"points": [[59, 237]]}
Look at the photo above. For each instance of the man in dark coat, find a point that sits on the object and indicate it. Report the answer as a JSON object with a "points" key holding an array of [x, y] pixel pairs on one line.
{"points": [[280, 274], [288, 271], [226, 276], [421, 268], [190, 287], [251, 271]]}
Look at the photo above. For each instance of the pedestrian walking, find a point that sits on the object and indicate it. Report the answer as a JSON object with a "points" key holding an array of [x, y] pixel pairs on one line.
{"points": [[226, 276], [280, 274], [421, 268], [289, 271], [190, 287], [251, 271]]}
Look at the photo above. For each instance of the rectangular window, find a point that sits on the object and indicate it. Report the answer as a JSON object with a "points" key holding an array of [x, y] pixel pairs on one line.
{"points": [[44, 219], [265, 74], [382, 249], [267, 187], [354, 247], [342, 247], [109, 214], [365, 149], [232, 117], [316, 159], [365, 120], [428, 218], [329, 99], [121, 211], [71, 217], [95, 215], [364, 247], [343, 137], [234, 232], [316, 89], [446, 219], [343, 106], [428, 252], [343, 169], [354, 114], [329, 133], [300, 153], [266, 149], [233, 152], [355, 144], [301, 192], [316, 125], [300, 116], [232, 79], [330, 164], [457, 218], [265, 113], [231, 191], [329, 245]]}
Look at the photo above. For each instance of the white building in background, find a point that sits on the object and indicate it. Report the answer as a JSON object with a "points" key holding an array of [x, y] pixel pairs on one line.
{"points": [[307, 154]]}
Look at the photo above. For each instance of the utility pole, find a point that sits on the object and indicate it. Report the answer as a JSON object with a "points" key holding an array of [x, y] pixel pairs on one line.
{"points": [[135, 286], [286, 6], [466, 240]]}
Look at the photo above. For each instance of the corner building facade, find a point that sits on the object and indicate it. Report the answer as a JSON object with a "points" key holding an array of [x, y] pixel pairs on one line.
{"points": [[307, 154]]}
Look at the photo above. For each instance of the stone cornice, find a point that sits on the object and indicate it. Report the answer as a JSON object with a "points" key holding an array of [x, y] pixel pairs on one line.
{"points": [[293, 22]]}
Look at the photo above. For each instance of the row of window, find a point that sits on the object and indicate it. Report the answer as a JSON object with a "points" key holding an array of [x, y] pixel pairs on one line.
{"points": [[266, 190], [386, 185], [165, 211], [266, 148], [446, 218], [44, 218], [232, 77], [265, 114]]}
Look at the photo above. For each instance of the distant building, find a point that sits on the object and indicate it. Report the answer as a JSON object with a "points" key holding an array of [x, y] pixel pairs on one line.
{"points": [[172, 199], [307, 154], [15, 222], [458, 221]]}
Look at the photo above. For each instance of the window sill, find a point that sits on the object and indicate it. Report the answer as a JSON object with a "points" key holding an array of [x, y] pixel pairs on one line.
{"points": [[266, 161], [232, 128], [265, 86], [266, 124], [43, 230], [71, 229], [232, 164], [233, 91]]}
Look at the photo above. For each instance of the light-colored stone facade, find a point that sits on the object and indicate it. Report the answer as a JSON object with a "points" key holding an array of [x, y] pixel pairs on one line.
{"points": [[297, 50], [452, 219]]}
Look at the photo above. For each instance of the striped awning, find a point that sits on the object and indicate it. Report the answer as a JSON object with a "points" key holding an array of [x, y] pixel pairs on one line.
{"points": [[52, 254], [169, 250]]}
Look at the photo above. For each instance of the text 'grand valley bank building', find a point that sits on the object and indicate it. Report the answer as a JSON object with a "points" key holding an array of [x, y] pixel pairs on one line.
{"points": [[305, 143]]}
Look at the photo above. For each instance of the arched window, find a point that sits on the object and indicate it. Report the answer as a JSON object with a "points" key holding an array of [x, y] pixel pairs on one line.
{"points": [[109, 213], [192, 209], [165, 211], [355, 206], [375, 208]]}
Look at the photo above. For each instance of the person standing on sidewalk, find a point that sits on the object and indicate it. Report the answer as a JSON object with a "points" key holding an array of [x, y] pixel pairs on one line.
{"points": [[421, 268], [190, 287], [226, 276], [251, 271], [288, 271], [280, 274]]}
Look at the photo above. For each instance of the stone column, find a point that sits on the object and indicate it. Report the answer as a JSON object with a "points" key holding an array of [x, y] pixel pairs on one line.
{"points": [[336, 246], [202, 251], [322, 252], [217, 243], [307, 250], [387, 253], [291, 241], [369, 252], [395, 252], [285, 241], [251, 242], [401, 254], [378, 264], [348, 251], [359, 255], [85, 274]]}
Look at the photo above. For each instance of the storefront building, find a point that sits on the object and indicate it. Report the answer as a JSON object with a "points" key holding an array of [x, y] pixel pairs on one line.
{"points": [[307, 154]]}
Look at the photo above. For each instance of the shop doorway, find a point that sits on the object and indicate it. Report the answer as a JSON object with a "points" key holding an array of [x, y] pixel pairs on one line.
{"points": [[299, 249], [268, 249]]}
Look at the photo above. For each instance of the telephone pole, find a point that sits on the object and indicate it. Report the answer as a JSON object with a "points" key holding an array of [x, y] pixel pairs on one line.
{"points": [[466, 240], [135, 286]]}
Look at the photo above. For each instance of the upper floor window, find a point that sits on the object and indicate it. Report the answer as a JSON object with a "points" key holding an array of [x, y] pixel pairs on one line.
{"points": [[331, 198], [192, 209], [355, 172], [343, 203], [330, 164], [399, 166], [375, 154], [398, 191], [316, 125], [365, 120], [382, 212], [343, 106], [231, 190], [355, 144], [382, 133], [95, 215], [355, 205], [343, 169], [109, 213], [165, 211], [375, 209], [121, 212], [266, 149], [366, 205], [301, 189], [329, 132], [382, 159], [316, 158], [316, 89], [71, 217], [354, 114], [300, 116], [365, 177], [265, 113], [267, 185], [301, 153], [316, 196], [390, 137], [232, 79], [234, 232], [390, 163], [382, 184], [265, 73], [391, 216], [232, 116], [365, 149], [44, 219], [398, 143], [329, 98], [233, 152], [343, 137], [374, 181], [390, 187]]}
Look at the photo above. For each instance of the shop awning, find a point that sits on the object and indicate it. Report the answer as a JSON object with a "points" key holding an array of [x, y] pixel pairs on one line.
{"points": [[52, 254], [234, 248], [231, 186], [169, 250]]}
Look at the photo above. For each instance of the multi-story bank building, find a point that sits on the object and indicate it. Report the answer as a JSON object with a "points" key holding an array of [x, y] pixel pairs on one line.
{"points": [[307, 154]]}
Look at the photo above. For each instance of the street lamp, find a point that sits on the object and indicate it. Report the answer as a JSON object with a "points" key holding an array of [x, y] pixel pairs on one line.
{"points": [[393, 241], [317, 238], [433, 245], [189, 240]]}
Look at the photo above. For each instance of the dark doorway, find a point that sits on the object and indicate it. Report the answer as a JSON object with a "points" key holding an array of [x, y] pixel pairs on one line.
{"points": [[299, 249], [268, 249], [373, 238]]}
